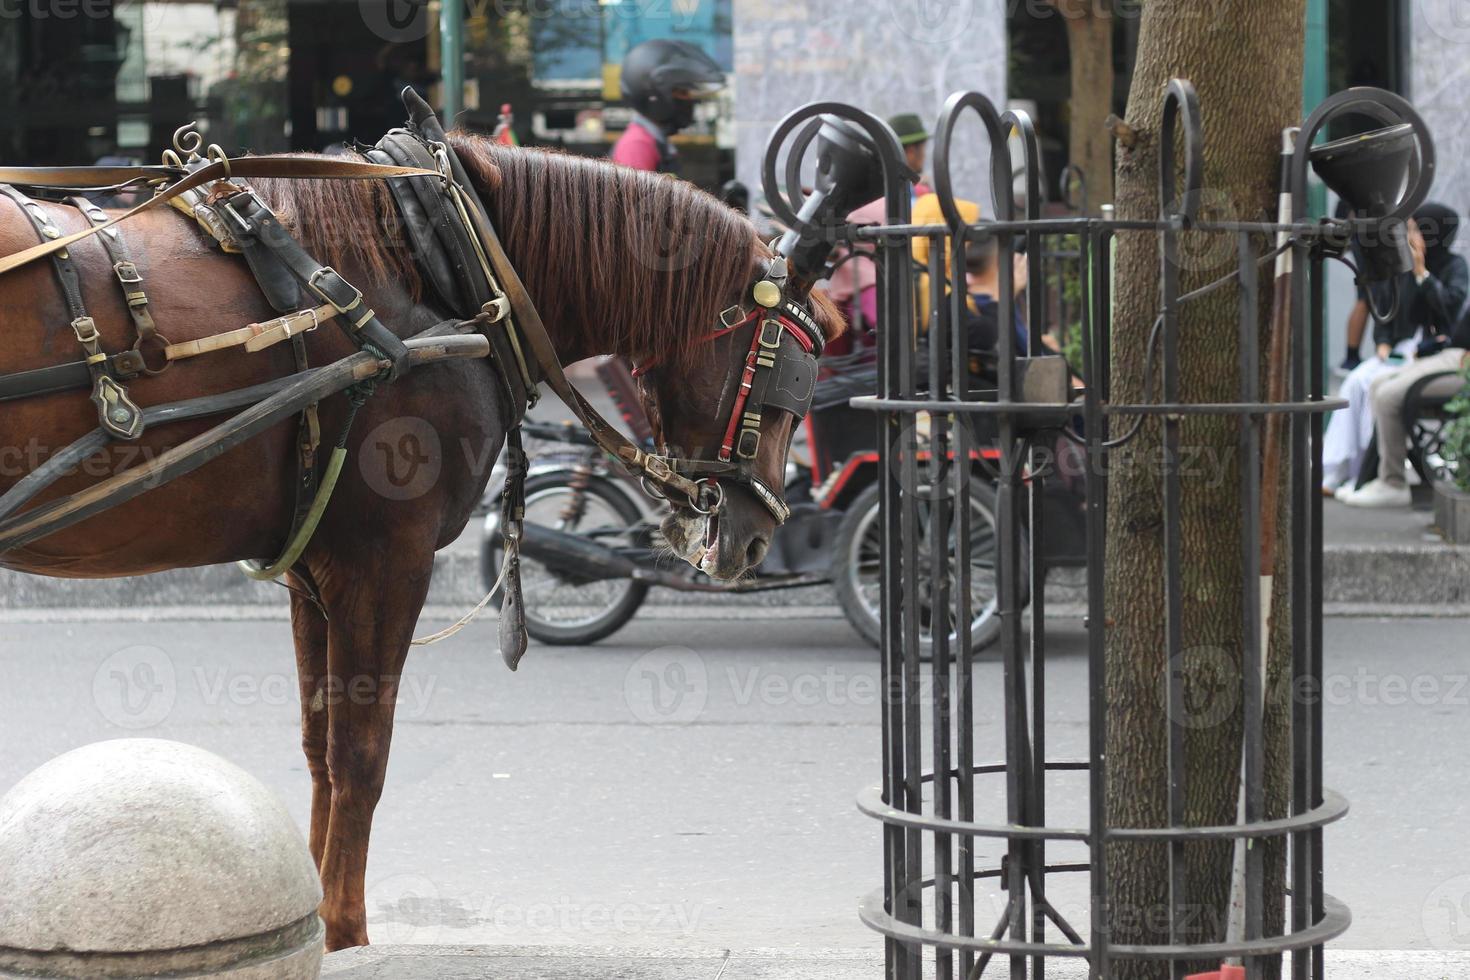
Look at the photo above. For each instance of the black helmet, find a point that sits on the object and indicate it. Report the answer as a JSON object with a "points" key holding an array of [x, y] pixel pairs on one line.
{"points": [[654, 70]]}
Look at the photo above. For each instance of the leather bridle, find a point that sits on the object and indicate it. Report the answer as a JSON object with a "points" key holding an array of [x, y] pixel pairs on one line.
{"points": [[777, 373]]}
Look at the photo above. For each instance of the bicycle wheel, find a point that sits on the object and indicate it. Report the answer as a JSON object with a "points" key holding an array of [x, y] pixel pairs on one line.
{"points": [[857, 568]]}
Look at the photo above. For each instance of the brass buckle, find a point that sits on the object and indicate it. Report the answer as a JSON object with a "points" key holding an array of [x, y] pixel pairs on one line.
{"points": [[732, 316], [322, 273], [127, 273], [86, 330], [771, 339], [229, 208], [657, 468]]}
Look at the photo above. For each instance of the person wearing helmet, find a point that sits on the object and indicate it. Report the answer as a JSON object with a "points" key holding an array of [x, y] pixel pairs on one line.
{"points": [[662, 80]]}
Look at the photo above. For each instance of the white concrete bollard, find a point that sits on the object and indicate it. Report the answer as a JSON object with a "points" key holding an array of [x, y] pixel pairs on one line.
{"points": [[140, 857]]}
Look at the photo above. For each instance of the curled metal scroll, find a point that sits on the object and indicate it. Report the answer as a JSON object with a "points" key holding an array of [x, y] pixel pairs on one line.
{"points": [[1181, 108], [1001, 176], [785, 204], [187, 141]]}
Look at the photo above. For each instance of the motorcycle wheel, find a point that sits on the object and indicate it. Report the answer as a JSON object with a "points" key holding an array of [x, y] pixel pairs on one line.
{"points": [[562, 610], [857, 568]]}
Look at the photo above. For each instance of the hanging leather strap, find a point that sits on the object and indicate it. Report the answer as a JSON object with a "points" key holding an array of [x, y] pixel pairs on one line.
{"points": [[513, 640]]}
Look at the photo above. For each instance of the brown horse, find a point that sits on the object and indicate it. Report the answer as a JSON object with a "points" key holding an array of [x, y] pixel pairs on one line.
{"points": [[618, 262]]}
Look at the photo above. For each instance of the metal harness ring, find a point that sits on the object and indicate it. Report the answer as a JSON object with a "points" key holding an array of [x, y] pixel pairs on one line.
{"points": [[715, 505]]}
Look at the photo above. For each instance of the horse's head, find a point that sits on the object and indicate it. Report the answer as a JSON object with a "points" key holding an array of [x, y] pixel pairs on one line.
{"points": [[654, 269], [726, 419]]}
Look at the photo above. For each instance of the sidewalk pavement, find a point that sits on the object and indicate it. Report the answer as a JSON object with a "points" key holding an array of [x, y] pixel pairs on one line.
{"points": [[1375, 563], [571, 963]]}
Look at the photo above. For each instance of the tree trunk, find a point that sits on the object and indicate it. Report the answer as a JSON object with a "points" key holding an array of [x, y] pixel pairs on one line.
{"points": [[1245, 59], [1090, 46]]}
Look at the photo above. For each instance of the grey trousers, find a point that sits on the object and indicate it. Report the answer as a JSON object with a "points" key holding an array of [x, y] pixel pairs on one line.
{"points": [[1388, 392]]}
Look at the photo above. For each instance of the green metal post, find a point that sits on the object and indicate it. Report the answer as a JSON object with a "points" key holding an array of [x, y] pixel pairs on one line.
{"points": [[1314, 91], [451, 57], [1314, 83]]}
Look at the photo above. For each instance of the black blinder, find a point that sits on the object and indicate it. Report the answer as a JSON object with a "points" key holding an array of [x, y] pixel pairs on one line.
{"points": [[793, 384]]}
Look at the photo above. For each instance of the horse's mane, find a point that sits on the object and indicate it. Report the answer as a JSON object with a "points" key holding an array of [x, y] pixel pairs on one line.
{"points": [[641, 263]]}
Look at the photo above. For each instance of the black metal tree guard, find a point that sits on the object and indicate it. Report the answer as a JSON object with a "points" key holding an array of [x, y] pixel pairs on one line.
{"points": [[932, 775]]}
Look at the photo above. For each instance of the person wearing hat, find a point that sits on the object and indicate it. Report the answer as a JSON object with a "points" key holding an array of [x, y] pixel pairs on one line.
{"points": [[914, 139], [854, 284]]}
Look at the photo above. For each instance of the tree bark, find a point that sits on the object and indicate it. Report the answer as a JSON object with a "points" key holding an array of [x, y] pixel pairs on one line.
{"points": [[1244, 57], [1090, 49]]}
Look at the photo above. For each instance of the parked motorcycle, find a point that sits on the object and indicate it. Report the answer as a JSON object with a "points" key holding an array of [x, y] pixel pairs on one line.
{"points": [[591, 548]]}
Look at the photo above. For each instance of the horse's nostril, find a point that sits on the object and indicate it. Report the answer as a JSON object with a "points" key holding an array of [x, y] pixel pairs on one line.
{"points": [[756, 552]]}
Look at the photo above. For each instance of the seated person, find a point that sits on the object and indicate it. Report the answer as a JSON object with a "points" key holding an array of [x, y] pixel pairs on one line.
{"points": [[1441, 349], [1430, 299]]}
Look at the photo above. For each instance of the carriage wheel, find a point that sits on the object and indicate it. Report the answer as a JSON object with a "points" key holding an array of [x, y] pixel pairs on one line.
{"points": [[561, 609], [857, 565]]}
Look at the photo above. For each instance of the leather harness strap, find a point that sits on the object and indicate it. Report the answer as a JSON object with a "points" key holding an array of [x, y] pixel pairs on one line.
{"points": [[302, 168], [532, 330], [129, 278], [116, 412]]}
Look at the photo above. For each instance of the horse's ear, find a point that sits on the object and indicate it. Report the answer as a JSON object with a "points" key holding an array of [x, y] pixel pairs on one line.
{"points": [[418, 109]]}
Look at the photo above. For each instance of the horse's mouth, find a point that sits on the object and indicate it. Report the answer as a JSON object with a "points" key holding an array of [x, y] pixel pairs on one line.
{"points": [[710, 548]]}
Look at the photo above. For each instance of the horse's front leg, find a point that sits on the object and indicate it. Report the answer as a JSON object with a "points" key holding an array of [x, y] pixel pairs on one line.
{"points": [[372, 608], [309, 632]]}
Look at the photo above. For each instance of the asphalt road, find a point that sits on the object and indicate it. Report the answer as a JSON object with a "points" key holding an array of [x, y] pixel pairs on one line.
{"points": [[691, 783]]}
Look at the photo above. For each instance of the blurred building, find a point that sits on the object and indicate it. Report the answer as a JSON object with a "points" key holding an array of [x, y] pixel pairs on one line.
{"points": [[86, 79]]}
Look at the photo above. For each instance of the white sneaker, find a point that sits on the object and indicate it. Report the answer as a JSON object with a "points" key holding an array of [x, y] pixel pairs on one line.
{"points": [[1380, 493], [1345, 491]]}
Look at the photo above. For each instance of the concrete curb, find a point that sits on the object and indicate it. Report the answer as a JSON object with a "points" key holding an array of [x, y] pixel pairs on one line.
{"points": [[1378, 580], [635, 963]]}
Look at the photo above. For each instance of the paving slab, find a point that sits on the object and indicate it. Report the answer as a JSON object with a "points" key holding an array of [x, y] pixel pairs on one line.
{"points": [[526, 963]]}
